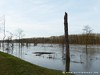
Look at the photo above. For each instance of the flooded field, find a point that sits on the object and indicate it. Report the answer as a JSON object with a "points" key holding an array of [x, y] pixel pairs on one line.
{"points": [[53, 56]]}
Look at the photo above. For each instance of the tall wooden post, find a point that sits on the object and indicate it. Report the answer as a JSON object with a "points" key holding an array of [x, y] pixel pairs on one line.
{"points": [[67, 42]]}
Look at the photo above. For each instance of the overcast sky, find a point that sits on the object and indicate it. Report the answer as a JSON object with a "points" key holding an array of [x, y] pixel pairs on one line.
{"points": [[45, 17]]}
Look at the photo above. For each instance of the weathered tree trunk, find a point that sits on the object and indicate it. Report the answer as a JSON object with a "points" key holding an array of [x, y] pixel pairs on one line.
{"points": [[67, 42]]}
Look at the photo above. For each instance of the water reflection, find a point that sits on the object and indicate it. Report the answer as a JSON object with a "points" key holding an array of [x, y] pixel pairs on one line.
{"points": [[54, 58], [88, 58]]}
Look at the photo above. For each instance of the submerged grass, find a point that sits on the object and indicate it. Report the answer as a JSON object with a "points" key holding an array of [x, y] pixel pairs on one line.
{"points": [[10, 65]]}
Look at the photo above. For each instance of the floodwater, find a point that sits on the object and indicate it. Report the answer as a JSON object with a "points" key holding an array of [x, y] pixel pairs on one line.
{"points": [[82, 59]]}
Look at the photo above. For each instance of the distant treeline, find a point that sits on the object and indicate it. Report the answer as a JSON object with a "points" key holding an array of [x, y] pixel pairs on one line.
{"points": [[73, 39], [84, 38]]}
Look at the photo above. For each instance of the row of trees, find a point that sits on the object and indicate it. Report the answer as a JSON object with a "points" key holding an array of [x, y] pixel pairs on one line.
{"points": [[86, 38], [73, 39]]}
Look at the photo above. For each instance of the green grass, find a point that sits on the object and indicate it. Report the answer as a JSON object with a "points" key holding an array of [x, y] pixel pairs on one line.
{"points": [[10, 65]]}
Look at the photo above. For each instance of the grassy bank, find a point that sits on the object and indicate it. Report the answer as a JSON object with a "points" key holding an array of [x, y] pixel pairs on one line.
{"points": [[10, 65]]}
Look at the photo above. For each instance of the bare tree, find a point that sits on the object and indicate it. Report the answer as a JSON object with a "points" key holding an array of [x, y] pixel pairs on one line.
{"points": [[87, 30], [10, 36], [4, 30], [20, 34]]}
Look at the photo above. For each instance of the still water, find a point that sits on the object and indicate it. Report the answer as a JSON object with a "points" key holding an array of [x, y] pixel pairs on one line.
{"points": [[82, 60]]}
